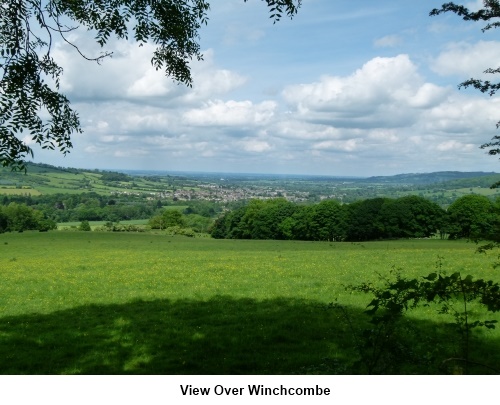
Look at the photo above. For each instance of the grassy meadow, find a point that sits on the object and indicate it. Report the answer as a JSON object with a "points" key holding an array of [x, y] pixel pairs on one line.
{"points": [[126, 303], [96, 224]]}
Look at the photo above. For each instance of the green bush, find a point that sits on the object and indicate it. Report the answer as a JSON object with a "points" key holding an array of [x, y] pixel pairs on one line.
{"points": [[84, 226]]}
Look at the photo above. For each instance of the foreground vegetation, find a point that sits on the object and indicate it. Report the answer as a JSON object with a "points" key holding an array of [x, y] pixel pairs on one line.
{"points": [[151, 303]]}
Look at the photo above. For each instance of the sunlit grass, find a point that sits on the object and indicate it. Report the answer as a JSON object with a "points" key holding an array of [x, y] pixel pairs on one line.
{"points": [[47, 278], [94, 224], [60, 270], [5, 190]]}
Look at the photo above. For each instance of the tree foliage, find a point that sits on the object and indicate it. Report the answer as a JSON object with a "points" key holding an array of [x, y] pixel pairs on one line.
{"points": [[452, 295], [379, 218], [167, 219], [85, 226], [32, 108], [472, 217], [19, 217], [365, 222]]}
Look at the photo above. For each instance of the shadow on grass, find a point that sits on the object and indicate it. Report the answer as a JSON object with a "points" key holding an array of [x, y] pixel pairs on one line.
{"points": [[219, 336]]}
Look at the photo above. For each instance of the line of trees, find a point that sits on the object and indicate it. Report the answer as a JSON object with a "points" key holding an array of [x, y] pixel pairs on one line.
{"points": [[471, 216], [95, 207], [84, 207]]}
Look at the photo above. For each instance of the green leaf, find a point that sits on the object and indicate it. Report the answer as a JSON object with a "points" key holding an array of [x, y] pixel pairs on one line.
{"points": [[431, 277]]}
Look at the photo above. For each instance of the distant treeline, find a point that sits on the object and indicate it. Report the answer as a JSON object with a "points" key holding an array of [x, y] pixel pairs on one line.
{"points": [[96, 207], [83, 207], [471, 216]]}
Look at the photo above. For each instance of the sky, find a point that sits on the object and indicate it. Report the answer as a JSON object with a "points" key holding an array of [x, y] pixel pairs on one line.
{"points": [[345, 88]]}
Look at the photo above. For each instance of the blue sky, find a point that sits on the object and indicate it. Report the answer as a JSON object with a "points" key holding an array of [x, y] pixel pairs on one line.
{"points": [[354, 88]]}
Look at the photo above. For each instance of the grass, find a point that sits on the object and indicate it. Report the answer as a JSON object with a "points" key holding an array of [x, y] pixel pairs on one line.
{"points": [[94, 224], [5, 190], [85, 302]]}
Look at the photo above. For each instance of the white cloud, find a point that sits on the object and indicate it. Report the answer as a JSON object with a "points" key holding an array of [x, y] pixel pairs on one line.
{"points": [[150, 84], [385, 92], [146, 121], [377, 81], [128, 153], [428, 95], [460, 115], [384, 135], [475, 5], [467, 60], [388, 115], [255, 145], [389, 41], [209, 81], [290, 128], [102, 125], [231, 113], [129, 75], [384, 111], [114, 139], [453, 145], [350, 145]]}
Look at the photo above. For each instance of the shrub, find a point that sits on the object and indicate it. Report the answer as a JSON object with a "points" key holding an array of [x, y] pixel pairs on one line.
{"points": [[84, 226]]}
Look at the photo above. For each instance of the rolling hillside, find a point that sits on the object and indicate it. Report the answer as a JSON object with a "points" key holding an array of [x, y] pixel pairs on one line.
{"points": [[442, 187]]}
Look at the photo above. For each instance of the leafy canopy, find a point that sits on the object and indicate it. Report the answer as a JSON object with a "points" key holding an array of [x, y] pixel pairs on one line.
{"points": [[32, 107]]}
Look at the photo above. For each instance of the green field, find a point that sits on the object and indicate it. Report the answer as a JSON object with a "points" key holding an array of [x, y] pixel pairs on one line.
{"points": [[94, 224], [88, 302], [5, 190], [47, 179]]}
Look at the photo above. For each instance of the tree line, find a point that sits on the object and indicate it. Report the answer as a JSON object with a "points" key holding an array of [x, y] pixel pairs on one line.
{"points": [[21, 213], [471, 216], [84, 207], [95, 207]]}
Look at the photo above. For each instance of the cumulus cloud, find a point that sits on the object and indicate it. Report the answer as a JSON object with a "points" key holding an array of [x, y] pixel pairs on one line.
{"points": [[255, 145], [210, 81], [385, 115], [230, 113], [385, 92], [377, 81], [150, 83], [129, 75], [467, 60], [116, 77]]}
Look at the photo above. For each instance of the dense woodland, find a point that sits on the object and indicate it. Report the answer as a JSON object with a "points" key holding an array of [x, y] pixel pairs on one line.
{"points": [[471, 216]]}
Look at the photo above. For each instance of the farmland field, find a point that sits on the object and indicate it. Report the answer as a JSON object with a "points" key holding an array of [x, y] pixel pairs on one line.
{"points": [[95, 224], [88, 302]]}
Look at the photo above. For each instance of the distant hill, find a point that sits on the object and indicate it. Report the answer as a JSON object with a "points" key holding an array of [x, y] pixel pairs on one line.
{"points": [[42, 178], [432, 178], [442, 187], [405, 178]]}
